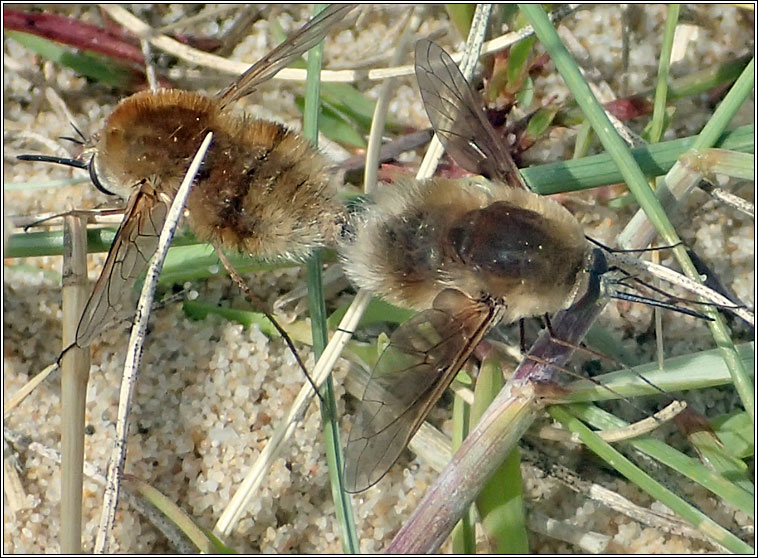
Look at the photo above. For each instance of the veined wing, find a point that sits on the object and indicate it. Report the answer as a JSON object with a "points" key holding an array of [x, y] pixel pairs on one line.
{"points": [[422, 358], [457, 115], [135, 243], [267, 67]]}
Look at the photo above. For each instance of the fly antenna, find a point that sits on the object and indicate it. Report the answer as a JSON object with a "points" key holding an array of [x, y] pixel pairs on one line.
{"points": [[79, 133], [81, 140], [77, 141]]}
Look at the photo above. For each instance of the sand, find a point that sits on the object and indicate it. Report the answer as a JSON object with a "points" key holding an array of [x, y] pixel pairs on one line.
{"points": [[211, 393]]}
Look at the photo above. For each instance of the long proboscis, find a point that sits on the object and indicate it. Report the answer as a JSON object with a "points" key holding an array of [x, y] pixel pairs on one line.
{"points": [[70, 162], [679, 298], [648, 301], [710, 293]]}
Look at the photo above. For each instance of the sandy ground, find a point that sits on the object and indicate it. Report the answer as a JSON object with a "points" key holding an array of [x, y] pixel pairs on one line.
{"points": [[211, 393]]}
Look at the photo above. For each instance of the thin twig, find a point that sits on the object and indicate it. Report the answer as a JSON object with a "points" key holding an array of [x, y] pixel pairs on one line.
{"points": [[149, 66], [27, 388], [74, 376], [60, 107], [22, 441], [239, 29], [727, 198], [380, 111], [16, 497], [134, 353], [567, 531], [219, 64], [644, 426]]}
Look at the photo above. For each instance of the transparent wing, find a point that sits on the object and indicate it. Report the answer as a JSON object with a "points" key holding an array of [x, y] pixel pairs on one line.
{"points": [[306, 38], [422, 358], [136, 241], [457, 115]]}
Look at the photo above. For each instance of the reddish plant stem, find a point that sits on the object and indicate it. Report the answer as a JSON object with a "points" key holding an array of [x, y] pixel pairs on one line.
{"points": [[498, 431]]}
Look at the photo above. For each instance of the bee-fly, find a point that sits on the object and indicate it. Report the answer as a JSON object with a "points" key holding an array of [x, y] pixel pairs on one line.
{"points": [[467, 254], [263, 190]]}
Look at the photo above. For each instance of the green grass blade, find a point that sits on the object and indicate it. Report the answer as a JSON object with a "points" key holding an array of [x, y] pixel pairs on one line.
{"points": [[707, 79], [714, 161], [206, 542], [464, 534], [377, 312], [197, 310], [728, 108], [736, 432], [347, 99], [94, 67], [461, 16], [704, 523], [50, 243], [600, 170], [336, 126], [713, 453], [684, 372], [672, 458], [661, 89], [635, 179], [716, 125], [501, 501], [593, 110], [636, 182], [329, 419], [584, 138]]}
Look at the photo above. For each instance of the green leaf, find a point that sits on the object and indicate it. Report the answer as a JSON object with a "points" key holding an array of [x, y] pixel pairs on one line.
{"points": [[525, 97], [539, 123], [335, 126], [94, 67], [378, 311], [206, 542], [349, 101], [518, 63], [501, 501], [461, 15], [735, 430]]}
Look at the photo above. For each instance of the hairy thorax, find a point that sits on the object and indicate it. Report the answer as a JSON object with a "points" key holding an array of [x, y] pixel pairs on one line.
{"points": [[262, 189]]}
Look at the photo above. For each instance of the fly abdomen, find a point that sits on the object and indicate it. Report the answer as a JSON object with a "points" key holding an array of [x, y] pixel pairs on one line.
{"points": [[503, 239], [514, 252]]}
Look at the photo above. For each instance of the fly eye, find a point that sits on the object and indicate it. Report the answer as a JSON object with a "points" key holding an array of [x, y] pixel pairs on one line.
{"points": [[599, 264], [95, 180]]}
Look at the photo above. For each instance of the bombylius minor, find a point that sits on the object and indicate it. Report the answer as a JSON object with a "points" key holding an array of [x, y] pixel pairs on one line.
{"points": [[263, 190], [467, 254]]}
